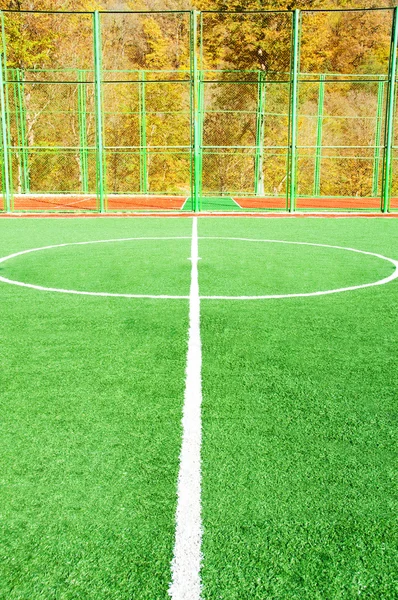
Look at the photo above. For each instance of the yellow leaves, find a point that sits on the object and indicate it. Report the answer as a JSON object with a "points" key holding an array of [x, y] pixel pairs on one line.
{"points": [[30, 40], [345, 42], [157, 57]]}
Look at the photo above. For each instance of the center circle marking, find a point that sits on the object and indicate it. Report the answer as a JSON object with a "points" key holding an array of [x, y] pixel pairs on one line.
{"points": [[383, 281]]}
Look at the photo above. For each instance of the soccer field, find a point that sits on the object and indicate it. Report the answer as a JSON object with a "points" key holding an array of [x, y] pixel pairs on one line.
{"points": [[277, 339]]}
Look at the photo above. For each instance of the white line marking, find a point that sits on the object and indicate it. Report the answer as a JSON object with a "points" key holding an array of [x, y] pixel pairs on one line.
{"points": [[185, 566], [185, 201], [83, 293], [383, 281], [236, 202]]}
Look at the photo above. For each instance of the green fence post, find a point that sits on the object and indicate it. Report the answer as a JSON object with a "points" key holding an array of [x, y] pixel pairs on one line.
{"points": [[5, 111], [191, 113], [292, 175], [201, 108], [379, 119], [259, 157], [22, 129], [4, 138], [202, 104], [389, 131], [191, 117], [319, 127], [200, 132], [100, 158], [19, 143], [195, 112], [82, 112], [143, 143]]}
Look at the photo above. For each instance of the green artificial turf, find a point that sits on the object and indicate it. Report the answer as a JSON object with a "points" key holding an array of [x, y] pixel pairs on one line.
{"points": [[238, 267], [214, 204], [299, 410], [299, 420], [138, 266], [92, 391]]}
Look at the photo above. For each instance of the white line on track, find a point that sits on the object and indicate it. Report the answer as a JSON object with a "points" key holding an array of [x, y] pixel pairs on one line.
{"points": [[185, 201], [236, 202], [185, 566]]}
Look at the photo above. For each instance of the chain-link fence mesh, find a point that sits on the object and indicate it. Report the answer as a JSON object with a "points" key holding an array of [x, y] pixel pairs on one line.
{"points": [[48, 137], [147, 106], [394, 183], [344, 59], [180, 110], [246, 79]]}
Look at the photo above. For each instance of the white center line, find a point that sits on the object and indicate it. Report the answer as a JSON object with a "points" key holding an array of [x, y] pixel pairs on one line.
{"points": [[185, 566]]}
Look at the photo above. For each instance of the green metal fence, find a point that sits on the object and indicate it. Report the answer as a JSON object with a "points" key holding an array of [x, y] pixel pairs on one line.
{"points": [[202, 111]]}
